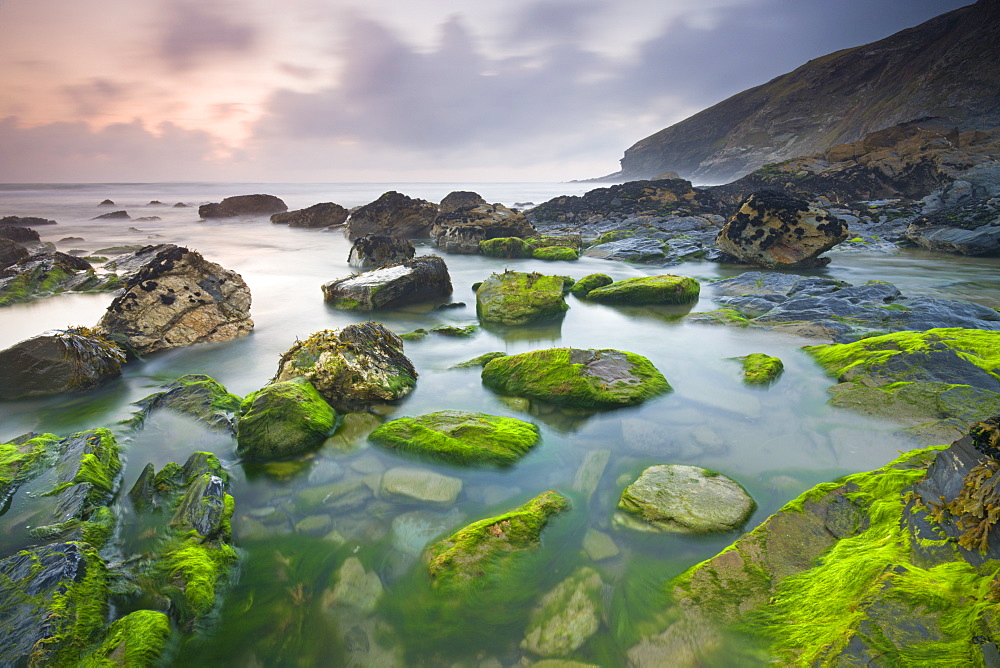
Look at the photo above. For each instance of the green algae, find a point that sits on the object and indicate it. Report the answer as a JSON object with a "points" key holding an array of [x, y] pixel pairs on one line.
{"points": [[462, 437], [517, 298], [195, 394], [415, 335], [590, 282], [139, 639], [555, 253], [19, 459], [478, 361], [281, 419], [761, 369], [455, 331], [194, 572], [663, 289], [571, 376], [505, 247]]}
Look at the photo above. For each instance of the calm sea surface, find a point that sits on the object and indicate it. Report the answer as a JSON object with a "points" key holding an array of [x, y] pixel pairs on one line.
{"points": [[777, 441]]}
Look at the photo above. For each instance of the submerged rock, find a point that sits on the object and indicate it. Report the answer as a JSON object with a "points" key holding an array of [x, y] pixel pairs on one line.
{"points": [[460, 436], [585, 378], [25, 221], [324, 214], [11, 252], [196, 395], [113, 215], [179, 299], [567, 616], [376, 250], [590, 282], [419, 279], [69, 360], [771, 229], [137, 639], [282, 419], [683, 499], [352, 367], [663, 289], [393, 214], [243, 205], [761, 369], [411, 484], [516, 298], [461, 230]]}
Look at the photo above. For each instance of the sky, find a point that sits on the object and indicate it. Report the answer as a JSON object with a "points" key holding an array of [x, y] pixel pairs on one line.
{"points": [[384, 90]]}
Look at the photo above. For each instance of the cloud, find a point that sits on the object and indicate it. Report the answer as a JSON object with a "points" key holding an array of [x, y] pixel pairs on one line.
{"points": [[91, 98], [193, 32], [555, 20]]}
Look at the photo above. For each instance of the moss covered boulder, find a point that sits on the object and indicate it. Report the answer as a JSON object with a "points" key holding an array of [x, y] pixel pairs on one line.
{"points": [[422, 278], [138, 639], [603, 378], [484, 548], [506, 247], [195, 395], [68, 360], [664, 289], [351, 367], [761, 369], [556, 253], [590, 282], [463, 437], [567, 616], [683, 499], [517, 298], [50, 273], [282, 419]]}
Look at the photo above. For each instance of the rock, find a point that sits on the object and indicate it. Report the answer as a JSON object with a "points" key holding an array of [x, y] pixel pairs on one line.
{"points": [[243, 205], [26, 221], [460, 199], [352, 367], [516, 298], [128, 264], [20, 234], [663, 289], [761, 369], [47, 273], [972, 228], [355, 588], [325, 214], [477, 553], [106, 202], [392, 214], [684, 499], [20, 460], [375, 250], [585, 378], [659, 197], [69, 360], [422, 278], [589, 282], [567, 616], [463, 437], [181, 205], [599, 546], [506, 247], [455, 331], [179, 299], [773, 230], [479, 361], [412, 484], [195, 395], [555, 253], [138, 639], [53, 601], [462, 230], [589, 474], [114, 215], [282, 419], [314, 525], [11, 252]]}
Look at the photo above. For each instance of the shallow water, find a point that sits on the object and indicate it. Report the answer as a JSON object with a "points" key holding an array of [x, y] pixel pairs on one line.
{"points": [[776, 441]]}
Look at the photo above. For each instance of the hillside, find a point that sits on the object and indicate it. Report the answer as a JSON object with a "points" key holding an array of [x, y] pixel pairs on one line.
{"points": [[944, 72]]}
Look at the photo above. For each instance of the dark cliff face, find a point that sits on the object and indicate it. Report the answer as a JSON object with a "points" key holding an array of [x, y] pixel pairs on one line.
{"points": [[947, 69]]}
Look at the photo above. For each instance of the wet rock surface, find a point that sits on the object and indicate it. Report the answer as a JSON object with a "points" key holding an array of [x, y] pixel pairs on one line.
{"points": [[517, 298], [196, 395], [68, 360], [376, 250], [393, 214], [47, 273], [461, 230], [324, 214], [422, 278], [282, 419], [243, 205], [25, 221]]}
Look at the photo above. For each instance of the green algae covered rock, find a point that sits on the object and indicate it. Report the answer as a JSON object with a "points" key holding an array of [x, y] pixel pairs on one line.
{"points": [[556, 253], [664, 289], [590, 282], [282, 419], [196, 395], [20, 457], [761, 369], [137, 639], [516, 298], [567, 616], [505, 247], [683, 499], [485, 547], [463, 437], [69, 360], [478, 361], [584, 378]]}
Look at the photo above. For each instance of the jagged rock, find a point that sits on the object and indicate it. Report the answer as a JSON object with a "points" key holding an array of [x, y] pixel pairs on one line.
{"points": [[179, 299], [196, 395], [969, 229], [11, 252], [282, 419], [26, 221], [20, 234], [663, 289], [460, 199], [126, 265], [46, 273], [683, 499], [114, 215], [20, 459], [567, 616], [352, 367], [419, 279], [461, 230], [243, 205], [376, 250], [516, 298], [635, 198], [392, 214], [324, 214], [57, 361], [774, 230], [585, 378]]}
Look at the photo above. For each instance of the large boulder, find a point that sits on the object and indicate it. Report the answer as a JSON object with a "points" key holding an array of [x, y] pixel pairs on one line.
{"points": [[377, 250], [324, 214], [517, 298], [419, 279], [353, 367], [463, 437], [461, 230], [243, 205], [567, 616], [282, 419], [25, 221], [11, 252], [972, 228], [57, 361], [663, 289], [585, 378], [393, 214], [179, 299], [49, 273], [460, 199], [15, 233], [196, 395], [683, 499], [126, 265], [774, 230]]}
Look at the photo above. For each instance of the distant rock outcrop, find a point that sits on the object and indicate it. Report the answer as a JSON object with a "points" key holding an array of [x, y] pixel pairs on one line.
{"points": [[243, 205], [26, 221], [324, 214], [393, 214], [947, 68], [461, 230], [460, 199]]}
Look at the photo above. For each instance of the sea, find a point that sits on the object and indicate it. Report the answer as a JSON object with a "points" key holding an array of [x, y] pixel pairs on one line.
{"points": [[281, 610]]}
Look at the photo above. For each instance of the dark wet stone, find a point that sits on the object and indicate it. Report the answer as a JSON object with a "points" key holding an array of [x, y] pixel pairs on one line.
{"points": [[243, 205], [69, 360], [324, 214], [419, 279], [377, 250]]}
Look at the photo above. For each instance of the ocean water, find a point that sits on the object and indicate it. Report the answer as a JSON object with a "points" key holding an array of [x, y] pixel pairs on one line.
{"points": [[776, 441]]}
